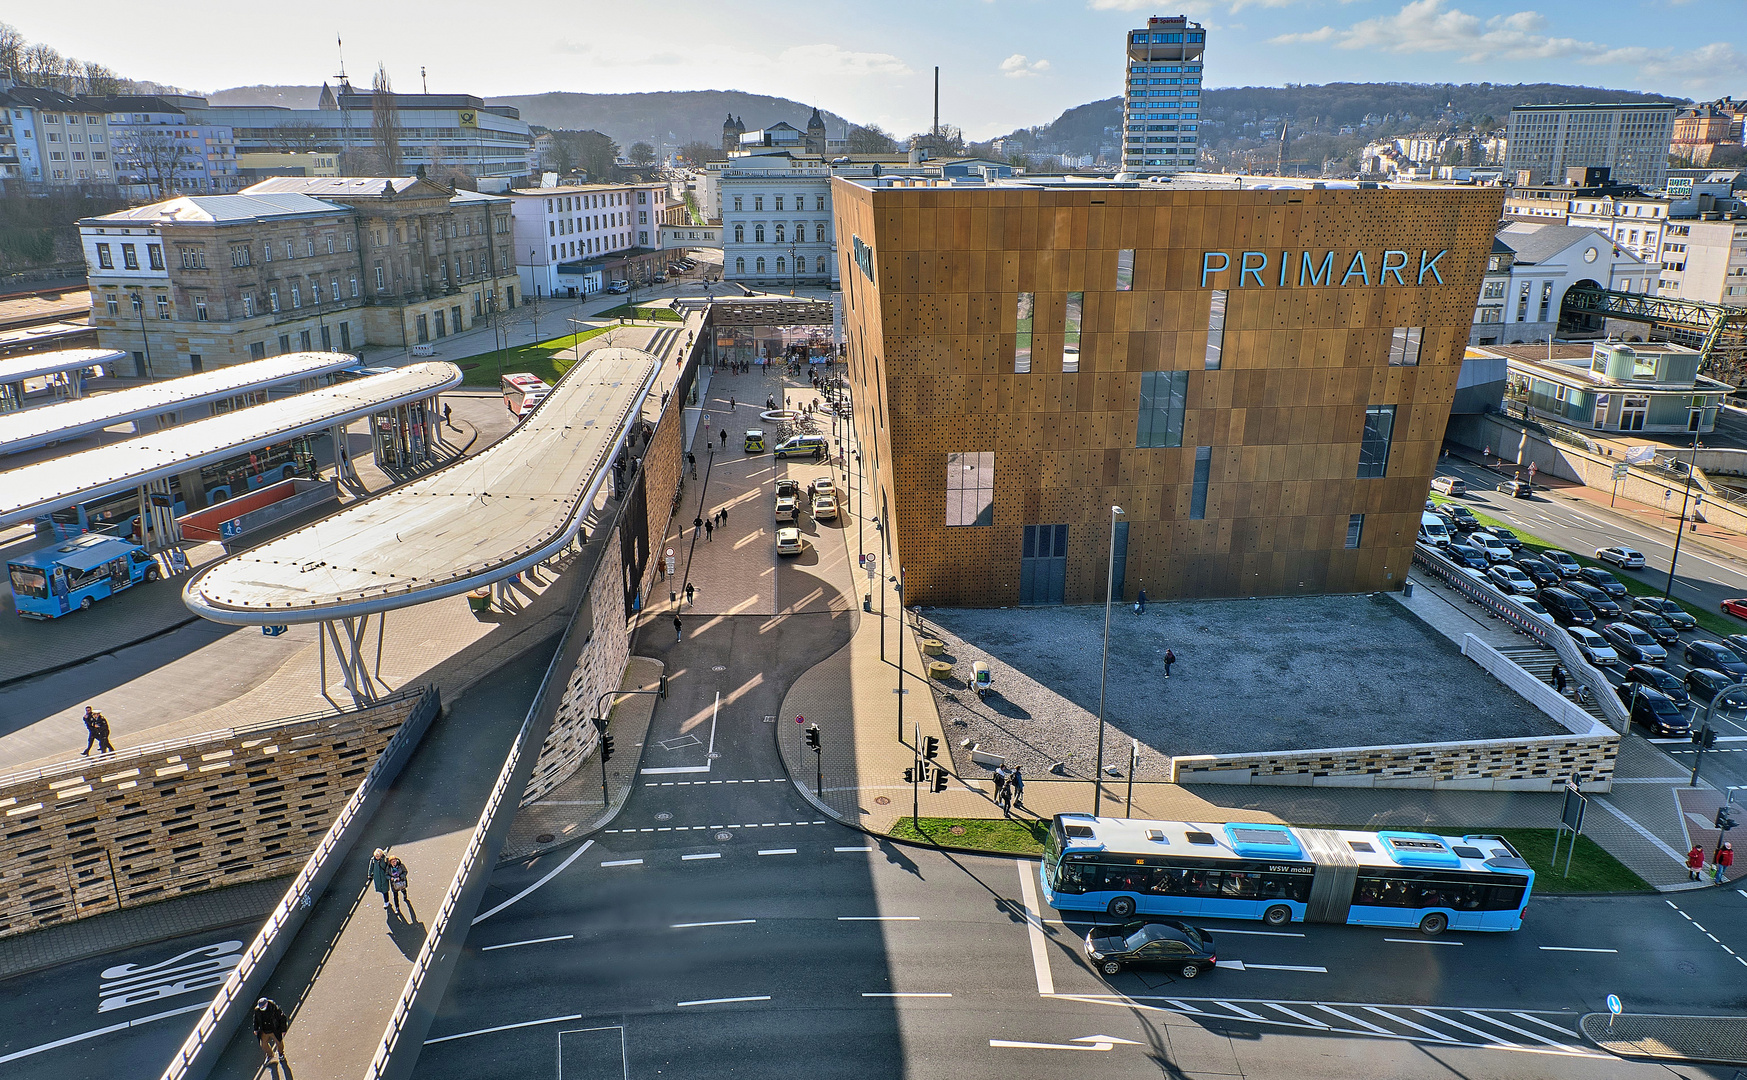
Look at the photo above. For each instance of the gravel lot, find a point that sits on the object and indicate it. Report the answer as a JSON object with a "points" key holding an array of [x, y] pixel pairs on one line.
{"points": [[1251, 675]]}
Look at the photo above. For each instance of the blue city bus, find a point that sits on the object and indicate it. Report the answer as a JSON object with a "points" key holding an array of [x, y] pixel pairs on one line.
{"points": [[76, 573], [1282, 874]]}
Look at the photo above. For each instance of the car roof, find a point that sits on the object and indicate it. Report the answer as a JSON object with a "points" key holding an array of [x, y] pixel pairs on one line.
{"points": [[1582, 632], [788, 534]]}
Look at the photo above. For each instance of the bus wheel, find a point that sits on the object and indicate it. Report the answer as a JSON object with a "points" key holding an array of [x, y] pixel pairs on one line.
{"points": [[1122, 907], [1433, 925], [151, 574], [85, 604], [1278, 915]]}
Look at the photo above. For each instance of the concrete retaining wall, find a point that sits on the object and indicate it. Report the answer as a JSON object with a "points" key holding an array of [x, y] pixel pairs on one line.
{"points": [[1530, 764], [1531, 689]]}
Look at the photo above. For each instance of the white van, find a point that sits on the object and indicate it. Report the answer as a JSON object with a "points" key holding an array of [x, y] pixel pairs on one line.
{"points": [[1432, 530]]}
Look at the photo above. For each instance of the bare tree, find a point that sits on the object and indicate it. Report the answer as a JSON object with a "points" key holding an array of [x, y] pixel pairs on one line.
{"points": [[699, 152], [384, 124], [871, 139], [295, 137], [41, 65], [155, 154], [96, 80], [12, 45], [641, 153]]}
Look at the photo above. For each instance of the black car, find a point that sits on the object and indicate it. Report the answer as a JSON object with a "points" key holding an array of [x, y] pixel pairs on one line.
{"points": [[1653, 709], [1659, 628], [1656, 679], [1714, 655], [1705, 684], [1541, 573], [1599, 602], [1634, 644], [1677, 616], [1463, 517], [1177, 947], [1517, 489], [1602, 580], [1737, 642], [1505, 537], [1567, 608], [1463, 555]]}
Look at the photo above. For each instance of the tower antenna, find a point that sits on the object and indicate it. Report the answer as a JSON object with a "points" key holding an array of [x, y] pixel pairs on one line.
{"points": [[936, 131], [424, 82]]}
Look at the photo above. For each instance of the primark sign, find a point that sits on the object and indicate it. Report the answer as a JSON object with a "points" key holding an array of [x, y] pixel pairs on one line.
{"points": [[1265, 269]]}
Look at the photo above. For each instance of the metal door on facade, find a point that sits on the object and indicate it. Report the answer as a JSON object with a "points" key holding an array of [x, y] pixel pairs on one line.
{"points": [[1043, 564]]}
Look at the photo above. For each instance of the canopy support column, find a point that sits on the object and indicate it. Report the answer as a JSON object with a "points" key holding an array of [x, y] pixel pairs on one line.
{"points": [[347, 636]]}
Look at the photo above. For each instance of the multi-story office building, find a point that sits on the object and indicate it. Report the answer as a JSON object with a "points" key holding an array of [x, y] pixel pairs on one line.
{"points": [[52, 140], [1705, 258], [1260, 379], [777, 219], [1161, 102], [1631, 140], [575, 239], [163, 147]]}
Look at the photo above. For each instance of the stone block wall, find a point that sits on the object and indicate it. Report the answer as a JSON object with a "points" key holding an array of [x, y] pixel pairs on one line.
{"points": [[1528, 764]]}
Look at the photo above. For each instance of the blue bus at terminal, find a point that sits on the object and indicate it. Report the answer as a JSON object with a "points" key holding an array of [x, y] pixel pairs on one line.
{"points": [[76, 573], [1282, 874]]}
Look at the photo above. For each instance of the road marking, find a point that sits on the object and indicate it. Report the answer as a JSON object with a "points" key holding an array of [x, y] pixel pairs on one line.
{"points": [[1640, 830], [1491, 1040], [1280, 967], [1573, 948], [1422, 941], [623, 862], [878, 918], [1255, 933], [912, 994], [550, 874], [98, 1032], [1567, 1032], [1241, 1011], [1094, 1042], [778, 851], [1404, 1022], [530, 941], [1509, 1027], [502, 1027], [723, 1001], [724, 922], [705, 855], [677, 769], [1308, 1020], [852, 849], [1332, 1011], [1034, 929]]}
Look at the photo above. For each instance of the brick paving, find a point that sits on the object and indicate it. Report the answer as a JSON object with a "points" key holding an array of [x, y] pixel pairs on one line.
{"points": [[1711, 1039]]}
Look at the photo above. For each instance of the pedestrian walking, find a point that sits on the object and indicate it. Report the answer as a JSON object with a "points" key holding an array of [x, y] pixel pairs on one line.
{"points": [[709, 531], [731, 402], [724, 516], [1725, 858], [678, 627], [103, 744], [91, 738], [697, 526], [1695, 862], [270, 1028], [1002, 794], [1140, 603], [397, 883], [724, 438], [1170, 658], [690, 594], [1559, 680], [378, 875], [692, 460], [1017, 785]]}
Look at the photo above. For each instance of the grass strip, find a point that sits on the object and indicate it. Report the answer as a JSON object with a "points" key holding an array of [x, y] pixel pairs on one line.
{"points": [[540, 358], [1009, 836], [648, 314]]}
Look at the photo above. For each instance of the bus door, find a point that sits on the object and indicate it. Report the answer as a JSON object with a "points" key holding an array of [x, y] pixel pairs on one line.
{"points": [[118, 574], [58, 589]]}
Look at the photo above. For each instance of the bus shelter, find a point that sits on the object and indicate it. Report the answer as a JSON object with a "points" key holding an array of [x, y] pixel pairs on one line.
{"points": [[65, 370]]}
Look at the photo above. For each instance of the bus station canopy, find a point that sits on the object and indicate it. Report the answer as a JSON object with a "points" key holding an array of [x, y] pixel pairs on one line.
{"points": [[471, 523], [34, 490], [37, 365], [26, 429]]}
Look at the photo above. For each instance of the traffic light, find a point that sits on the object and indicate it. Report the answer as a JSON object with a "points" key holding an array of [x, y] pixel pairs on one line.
{"points": [[1724, 822], [930, 747], [606, 748], [940, 779], [662, 690], [600, 723], [813, 737], [910, 775], [1710, 737]]}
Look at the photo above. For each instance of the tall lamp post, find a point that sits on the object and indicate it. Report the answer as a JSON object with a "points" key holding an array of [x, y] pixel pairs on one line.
{"points": [[1104, 674], [1680, 523]]}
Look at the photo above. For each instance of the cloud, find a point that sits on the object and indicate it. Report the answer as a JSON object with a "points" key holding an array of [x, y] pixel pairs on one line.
{"points": [[831, 60], [1018, 67], [612, 60]]}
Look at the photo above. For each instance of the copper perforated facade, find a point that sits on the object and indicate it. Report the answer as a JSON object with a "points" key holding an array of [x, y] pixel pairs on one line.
{"points": [[933, 277]]}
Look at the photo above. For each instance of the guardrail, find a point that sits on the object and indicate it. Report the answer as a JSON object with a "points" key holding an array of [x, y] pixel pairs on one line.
{"points": [[235, 999], [1526, 622], [1533, 690]]}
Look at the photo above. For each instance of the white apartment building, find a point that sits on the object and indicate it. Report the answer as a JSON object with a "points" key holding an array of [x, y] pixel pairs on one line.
{"points": [[1161, 100], [1630, 139], [578, 238], [53, 139], [776, 221], [1706, 259]]}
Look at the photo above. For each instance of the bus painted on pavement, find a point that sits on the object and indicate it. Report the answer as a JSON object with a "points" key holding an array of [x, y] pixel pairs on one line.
{"points": [[1281, 874], [76, 573]]}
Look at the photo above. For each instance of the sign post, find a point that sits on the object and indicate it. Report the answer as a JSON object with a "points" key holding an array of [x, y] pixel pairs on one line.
{"points": [[1613, 1009], [1620, 472], [1570, 817]]}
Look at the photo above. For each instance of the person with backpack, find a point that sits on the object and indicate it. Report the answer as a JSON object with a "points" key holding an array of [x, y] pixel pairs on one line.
{"points": [[270, 1028], [378, 876], [1170, 658], [397, 886]]}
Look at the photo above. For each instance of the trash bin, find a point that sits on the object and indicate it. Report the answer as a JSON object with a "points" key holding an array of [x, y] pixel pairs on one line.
{"points": [[1407, 589], [479, 600]]}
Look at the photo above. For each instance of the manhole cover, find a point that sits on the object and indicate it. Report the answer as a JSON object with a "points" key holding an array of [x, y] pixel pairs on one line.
{"points": [[719, 667], [544, 838], [664, 816], [1688, 966], [957, 830], [713, 754], [881, 800], [724, 836]]}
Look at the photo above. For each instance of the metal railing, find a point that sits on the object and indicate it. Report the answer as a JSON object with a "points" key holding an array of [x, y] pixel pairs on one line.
{"points": [[230, 1007]]}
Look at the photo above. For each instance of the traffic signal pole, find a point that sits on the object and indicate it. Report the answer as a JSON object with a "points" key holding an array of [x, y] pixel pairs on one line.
{"points": [[600, 722]]}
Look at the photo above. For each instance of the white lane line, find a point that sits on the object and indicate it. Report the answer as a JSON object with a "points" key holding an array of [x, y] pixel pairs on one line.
{"points": [[530, 941], [1422, 941], [550, 874], [1282, 967], [723, 1001], [878, 918], [1405, 1022], [852, 849], [778, 851], [912, 994], [1252, 933], [724, 922], [623, 862], [1313, 1022], [1573, 948], [1491, 1039], [1565, 1031], [705, 855], [678, 769], [99, 1032], [502, 1027], [1034, 929], [1520, 1031], [1349, 1018]]}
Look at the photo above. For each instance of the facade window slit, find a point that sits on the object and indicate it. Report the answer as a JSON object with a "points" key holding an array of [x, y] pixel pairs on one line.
{"points": [[1215, 329], [1022, 341], [1073, 312], [1374, 445], [1163, 398], [1125, 270], [970, 488], [1198, 494], [1355, 530]]}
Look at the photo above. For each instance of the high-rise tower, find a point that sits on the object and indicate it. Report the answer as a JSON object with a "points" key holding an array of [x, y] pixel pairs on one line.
{"points": [[1161, 100]]}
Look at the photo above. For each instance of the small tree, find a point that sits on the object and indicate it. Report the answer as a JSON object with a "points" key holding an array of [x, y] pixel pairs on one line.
{"points": [[641, 154], [384, 125], [871, 139], [295, 137], [699, 152], [157, 154]]}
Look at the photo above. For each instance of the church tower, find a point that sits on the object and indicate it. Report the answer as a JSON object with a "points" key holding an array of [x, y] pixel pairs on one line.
{"points": [[816, 133]]}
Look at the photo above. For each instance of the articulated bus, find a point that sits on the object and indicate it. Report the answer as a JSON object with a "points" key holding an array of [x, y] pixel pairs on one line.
{"points": [[1281, 874], [119, 514]]}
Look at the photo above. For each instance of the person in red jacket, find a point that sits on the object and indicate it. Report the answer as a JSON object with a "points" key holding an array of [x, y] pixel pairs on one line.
{"points": [[1695, 862], [1724, 858]]}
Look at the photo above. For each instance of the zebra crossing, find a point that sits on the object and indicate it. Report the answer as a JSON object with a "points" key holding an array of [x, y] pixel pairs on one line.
{"points": [[1505, 1029]]}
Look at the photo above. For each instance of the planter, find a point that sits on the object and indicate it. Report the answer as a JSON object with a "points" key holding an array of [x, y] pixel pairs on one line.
{"points": [[933, 646], [939, 669]]}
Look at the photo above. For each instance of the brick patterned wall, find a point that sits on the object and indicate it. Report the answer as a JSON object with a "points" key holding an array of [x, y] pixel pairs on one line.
{"points": [[1529, 764], [165, 821]]}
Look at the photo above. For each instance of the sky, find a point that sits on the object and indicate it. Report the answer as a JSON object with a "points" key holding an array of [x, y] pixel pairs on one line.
{"points": [[1004, 63]]}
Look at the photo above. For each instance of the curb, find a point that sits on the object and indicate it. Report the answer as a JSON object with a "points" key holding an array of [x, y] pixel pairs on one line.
{"points": [[1627, 1049], [65, 664]]}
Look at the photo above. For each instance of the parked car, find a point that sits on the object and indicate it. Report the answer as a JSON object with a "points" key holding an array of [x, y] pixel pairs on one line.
{"points": [[1603, 580], [1510, 580], [1593, 646], [1535, 606], [1517, 489], [660, 278], [1662, 716], [1462, 517], [1505, 537], [790, 542], [790, 489], [1449, 485], [1179, 948], [1634, 644], [1470, 557], [1702, 652], [1566, 607], [1659, 628], [1563, 561], [813, 446], [1704, 684], [1736, 607], [1677, 616], [787, 509], [1599, 602], [1433, 530], [1541, 573], [1489, 544], [1738, 643], [1656, 679], [824, 485], [1623, 557], [824, 507]]}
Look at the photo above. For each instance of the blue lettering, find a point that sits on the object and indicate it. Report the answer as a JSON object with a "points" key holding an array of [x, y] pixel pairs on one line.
{"points": [[1432, 266], [1356, 268], [1207, 266], [1246, 270], [1285, 262], [1323, 275], [1390, 267]]}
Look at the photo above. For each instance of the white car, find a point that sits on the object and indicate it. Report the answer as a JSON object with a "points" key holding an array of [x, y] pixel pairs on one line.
{"points": [[1449, 485], [1592, 645], [1535, 606], [1494, 550], [1623, 557]]}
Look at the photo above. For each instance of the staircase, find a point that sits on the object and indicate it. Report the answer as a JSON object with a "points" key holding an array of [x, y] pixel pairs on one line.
{"points": [[1539, 663]]}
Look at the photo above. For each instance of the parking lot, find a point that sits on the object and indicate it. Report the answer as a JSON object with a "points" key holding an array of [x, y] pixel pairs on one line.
{"points": [[1251, 675]]}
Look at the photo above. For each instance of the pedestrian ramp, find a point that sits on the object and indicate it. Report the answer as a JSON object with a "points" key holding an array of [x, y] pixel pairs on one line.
{"points": [[1536, 1031], [1539, 663]]}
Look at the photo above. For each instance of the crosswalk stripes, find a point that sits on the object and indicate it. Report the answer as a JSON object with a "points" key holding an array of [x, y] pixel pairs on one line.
{"points": [[1506, 1029]]}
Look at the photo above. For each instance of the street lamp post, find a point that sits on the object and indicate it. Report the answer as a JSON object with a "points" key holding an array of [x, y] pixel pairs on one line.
{"points": [[1104, 674], [1680, 522]]}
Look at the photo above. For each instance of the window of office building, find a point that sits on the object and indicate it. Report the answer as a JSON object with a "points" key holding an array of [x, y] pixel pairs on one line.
{"points": [[155, 256], [1404, 346], [105, 261], [1215, 330], [1374, 445], [1073, 311], [1198, 493], [1022, 340], [111, 304], [1125, 270], [970, 488], [1163, 396], [1355, 529], [1119, 559], [130, 258], [163, 307], [200, 309]]}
